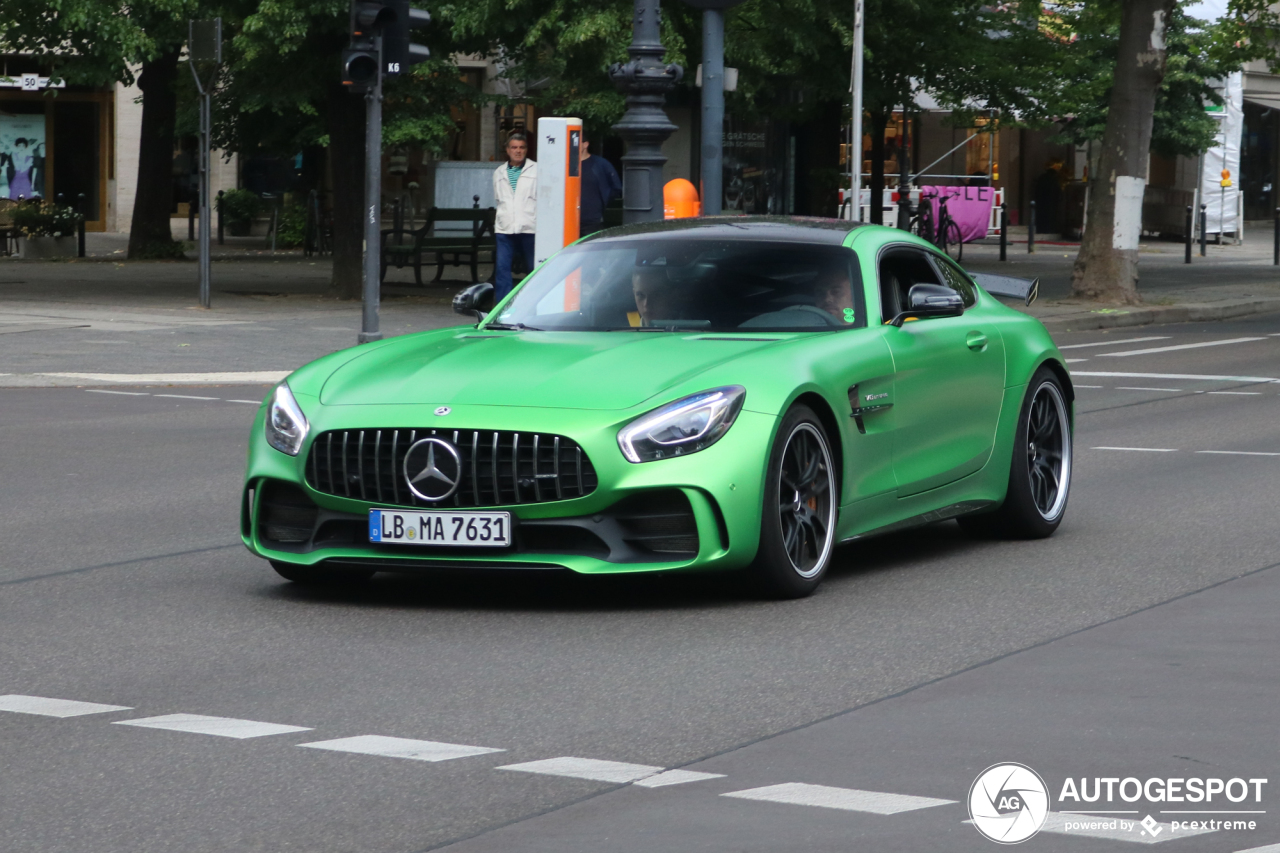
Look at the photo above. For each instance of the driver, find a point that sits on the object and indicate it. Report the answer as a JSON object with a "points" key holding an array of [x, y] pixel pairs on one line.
{"points": [[833, 292], [657, 297]]}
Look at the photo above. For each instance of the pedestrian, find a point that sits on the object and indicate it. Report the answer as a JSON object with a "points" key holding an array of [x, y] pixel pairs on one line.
{"points": [[515, 193], [600, 185]]}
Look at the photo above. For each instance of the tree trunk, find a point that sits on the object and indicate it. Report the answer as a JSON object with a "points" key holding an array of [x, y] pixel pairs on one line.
{"points": [[149, 234], [345, 121], [879, 121], [1107, 267]]}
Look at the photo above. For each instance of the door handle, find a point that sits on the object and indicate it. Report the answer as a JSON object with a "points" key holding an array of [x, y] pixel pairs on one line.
{"points": [[976, 341]]}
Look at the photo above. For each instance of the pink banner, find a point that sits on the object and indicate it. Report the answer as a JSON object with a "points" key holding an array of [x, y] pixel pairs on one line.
{"points": [[969, 207]]}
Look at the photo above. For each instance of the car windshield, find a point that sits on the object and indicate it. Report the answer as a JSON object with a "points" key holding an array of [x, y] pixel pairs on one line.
{"points": [[679, 285]]}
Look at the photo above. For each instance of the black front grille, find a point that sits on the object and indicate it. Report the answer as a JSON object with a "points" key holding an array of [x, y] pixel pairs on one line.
{"points": [[286, 514], [499, 468]]}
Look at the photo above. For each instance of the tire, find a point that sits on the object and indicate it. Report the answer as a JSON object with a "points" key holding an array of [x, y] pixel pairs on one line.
{"points": [[952, 244], [320, 575], [1040, 473], [797, 529]]}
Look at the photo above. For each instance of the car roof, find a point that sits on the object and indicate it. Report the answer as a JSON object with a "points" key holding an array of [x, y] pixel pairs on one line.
{"points": [[788, 229]]}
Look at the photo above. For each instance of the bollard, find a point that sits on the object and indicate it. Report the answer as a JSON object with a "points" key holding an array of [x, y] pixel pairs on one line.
{"points": [[1004, 240], [80, 226], [1188, 228], [1204, 223], [1275, 258], [1031, 230], [191, 219], [220, 240]]}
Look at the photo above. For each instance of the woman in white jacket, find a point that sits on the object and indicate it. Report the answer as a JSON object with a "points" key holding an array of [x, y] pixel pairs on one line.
{"points": [[515, 192]]}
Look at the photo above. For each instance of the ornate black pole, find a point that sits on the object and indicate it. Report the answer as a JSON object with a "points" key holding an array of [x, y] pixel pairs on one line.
{"points": [[645, 80]]}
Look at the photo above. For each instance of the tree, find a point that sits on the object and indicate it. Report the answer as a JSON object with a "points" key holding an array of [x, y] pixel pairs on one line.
{"points": [[99, 42], [1156, 62]]}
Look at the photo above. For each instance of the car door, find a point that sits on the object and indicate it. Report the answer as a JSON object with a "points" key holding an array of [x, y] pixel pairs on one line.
{"points": [[948, 375]]}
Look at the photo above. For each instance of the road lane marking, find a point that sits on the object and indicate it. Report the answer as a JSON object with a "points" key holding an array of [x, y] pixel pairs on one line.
{"points": [[1239, 393], [122, 393], [1141, 449], [1073, 385], [184, 397], [846, 799], [400, 747], [1118, 388], [587, 768], [675, 777], [54, 707], [1116, 343], [1270, 848], [1238, 453], [1179, 347], [248, 377], [1205, 376], [221, 726], [1074, 360], [250, 402]]}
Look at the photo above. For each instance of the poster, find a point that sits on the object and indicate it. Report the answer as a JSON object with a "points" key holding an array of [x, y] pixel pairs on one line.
{"points": [[22, 156]]}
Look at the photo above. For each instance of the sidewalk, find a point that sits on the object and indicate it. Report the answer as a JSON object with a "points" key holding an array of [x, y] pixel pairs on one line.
{"points": [[102, 320]]}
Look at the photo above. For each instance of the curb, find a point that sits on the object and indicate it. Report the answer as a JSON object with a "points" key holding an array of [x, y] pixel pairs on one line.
{"points": [[1190, 313]]}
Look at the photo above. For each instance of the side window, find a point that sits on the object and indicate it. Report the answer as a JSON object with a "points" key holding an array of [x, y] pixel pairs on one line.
{"points": [[899, 270], [954, 278]]}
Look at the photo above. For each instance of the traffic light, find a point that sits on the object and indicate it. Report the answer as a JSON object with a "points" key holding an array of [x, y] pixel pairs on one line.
{"points": [[398, 52], [391, 20]]}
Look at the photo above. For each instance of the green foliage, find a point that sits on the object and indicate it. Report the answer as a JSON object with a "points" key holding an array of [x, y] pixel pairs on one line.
{"points": [[45, 219], [291, 227], [239, 207]]}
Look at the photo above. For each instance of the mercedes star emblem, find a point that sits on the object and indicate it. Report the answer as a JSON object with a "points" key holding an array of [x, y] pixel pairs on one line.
{"points": [[433, 469]]}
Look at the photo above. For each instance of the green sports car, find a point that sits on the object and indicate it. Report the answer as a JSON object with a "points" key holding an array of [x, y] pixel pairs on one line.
{"points": [[729, 393]]}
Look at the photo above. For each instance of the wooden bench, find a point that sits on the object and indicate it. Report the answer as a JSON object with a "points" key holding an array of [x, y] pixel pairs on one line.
{"points": [[403, 247]]}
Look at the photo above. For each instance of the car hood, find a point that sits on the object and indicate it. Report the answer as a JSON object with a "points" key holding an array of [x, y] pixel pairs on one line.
{"points": [[566, 370]]}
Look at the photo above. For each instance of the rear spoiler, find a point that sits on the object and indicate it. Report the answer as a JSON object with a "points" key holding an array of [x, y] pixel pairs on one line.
{"points": [[1008, 286]]}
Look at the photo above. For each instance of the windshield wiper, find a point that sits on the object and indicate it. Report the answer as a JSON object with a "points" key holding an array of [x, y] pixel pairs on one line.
{"points": [[513, 327]]}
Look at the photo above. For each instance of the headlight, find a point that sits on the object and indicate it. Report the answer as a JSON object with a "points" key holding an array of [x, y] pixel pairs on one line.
{"points": [[683, 427], [287, 427]]}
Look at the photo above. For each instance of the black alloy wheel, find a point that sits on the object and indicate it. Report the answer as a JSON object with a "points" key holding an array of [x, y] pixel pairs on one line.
{"points": [[1040, 471], [797, 531]]}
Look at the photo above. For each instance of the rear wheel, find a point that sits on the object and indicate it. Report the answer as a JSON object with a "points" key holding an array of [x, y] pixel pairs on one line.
{"points": [[797, 531], [952, 243], [320, 575], [1040, 473]]}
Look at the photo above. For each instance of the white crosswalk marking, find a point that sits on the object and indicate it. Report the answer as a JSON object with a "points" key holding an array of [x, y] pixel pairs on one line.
{"points": [[587, 768], [1109, 827], [848, 799], [221, 726], [676, 777], [1178, 347], [399, 747], [54, 707]]}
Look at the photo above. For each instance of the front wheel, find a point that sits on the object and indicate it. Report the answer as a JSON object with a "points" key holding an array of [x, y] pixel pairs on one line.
{"points": [[797, 531], [952, 241], [320, 575], [1040, 473]]}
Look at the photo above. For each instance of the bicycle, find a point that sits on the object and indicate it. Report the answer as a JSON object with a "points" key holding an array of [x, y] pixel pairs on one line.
{"points": [[945, 233]]}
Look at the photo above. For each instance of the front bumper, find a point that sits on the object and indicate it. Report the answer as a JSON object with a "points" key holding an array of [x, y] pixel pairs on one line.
{"points": [[702, 511]]}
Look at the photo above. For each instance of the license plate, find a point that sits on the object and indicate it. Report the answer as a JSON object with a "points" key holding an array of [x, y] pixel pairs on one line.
{"points": [[407, 527]]}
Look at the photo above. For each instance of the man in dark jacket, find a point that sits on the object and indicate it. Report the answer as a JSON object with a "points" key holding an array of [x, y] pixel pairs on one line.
{"points": [[600, 185]]}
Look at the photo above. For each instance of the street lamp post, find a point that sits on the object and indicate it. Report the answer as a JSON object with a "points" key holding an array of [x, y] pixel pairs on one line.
{"points": [[645, 80]]}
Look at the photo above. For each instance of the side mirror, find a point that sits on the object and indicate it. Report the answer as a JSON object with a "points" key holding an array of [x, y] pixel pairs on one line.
{"points": [[474, 300], [930, 300]]}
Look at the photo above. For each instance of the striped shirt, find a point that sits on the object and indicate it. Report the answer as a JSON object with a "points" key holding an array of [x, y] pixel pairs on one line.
{"points": [[513, 175]]}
